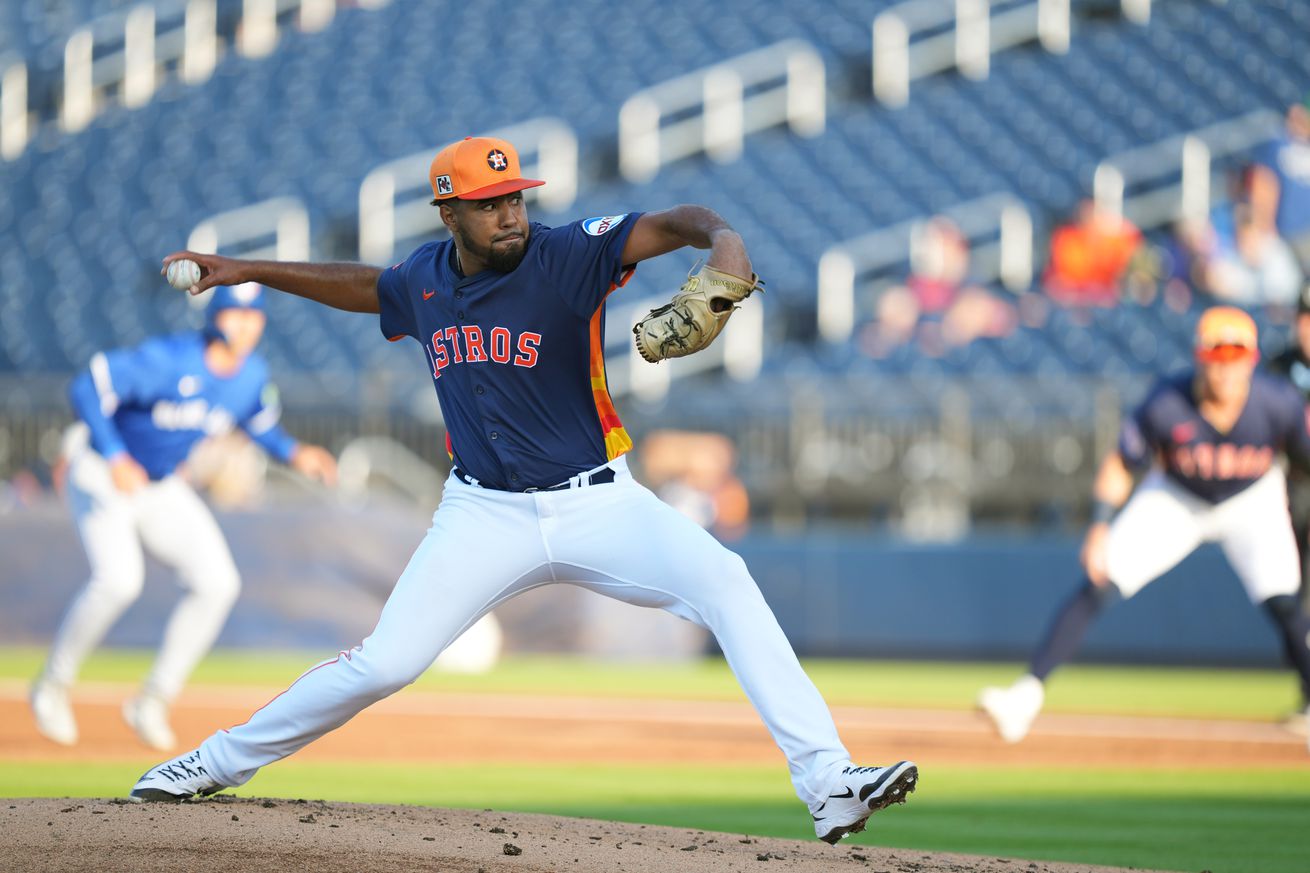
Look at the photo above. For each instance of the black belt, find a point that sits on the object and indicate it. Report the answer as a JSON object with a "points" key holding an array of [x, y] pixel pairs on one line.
{"points": [[603, 476]]}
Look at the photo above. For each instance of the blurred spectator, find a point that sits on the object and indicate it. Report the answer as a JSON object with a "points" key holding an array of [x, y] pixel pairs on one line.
{"points": [[937, 303], [1280, 185], [694, 473], [1231, 256], [1249, 264], [1091, 257]]}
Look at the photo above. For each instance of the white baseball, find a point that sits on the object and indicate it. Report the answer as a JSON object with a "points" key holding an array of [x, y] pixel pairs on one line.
{"points": [[183, 274]]}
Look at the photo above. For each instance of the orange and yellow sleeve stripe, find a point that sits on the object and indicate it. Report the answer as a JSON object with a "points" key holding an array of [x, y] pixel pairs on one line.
{"points": [[616, 436]]}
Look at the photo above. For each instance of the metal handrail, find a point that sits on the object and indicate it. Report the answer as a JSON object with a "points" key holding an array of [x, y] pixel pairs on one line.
{"points": [[921, 37], [1173, 178], [918, 38], [366, 457], [843, 265], [712, 109], [283, 218], [15, 120], [134, 44]]}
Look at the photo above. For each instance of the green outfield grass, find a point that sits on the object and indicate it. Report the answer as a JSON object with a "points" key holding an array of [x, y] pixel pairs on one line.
{"points": [[1230, 821], [1202, 693]]}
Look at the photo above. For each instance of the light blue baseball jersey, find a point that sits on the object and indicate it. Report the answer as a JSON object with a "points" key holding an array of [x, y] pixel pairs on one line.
{"points": [[156, 400]]}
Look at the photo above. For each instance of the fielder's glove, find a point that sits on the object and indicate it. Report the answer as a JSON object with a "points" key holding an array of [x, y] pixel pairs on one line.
{"points": [[694, 317]]}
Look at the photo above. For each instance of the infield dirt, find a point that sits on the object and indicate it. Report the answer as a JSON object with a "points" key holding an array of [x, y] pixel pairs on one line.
{"points": [[262, 836]]}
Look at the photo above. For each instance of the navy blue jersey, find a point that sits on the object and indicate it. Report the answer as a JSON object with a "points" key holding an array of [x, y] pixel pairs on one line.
{"points": [[518, 358], [156, 400], [1212, 465]]}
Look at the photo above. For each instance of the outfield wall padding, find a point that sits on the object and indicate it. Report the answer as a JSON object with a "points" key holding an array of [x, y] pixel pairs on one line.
{"points": [[315, 576]]}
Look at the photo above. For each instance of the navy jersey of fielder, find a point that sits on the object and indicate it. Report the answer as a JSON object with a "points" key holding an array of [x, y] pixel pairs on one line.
{"points": [[1212, 465], [156, 400], [518, 358]]}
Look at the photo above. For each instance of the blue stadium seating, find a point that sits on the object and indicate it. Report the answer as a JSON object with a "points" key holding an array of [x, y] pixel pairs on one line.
{"points": [[87, 216]]}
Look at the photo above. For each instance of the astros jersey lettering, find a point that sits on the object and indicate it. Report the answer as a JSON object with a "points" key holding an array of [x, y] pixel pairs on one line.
{"points": [[517, 358], [1212, 465], [156, 400]]}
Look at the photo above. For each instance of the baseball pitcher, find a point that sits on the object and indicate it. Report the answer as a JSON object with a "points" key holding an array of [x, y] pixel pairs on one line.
{"points": [[510, 315]]}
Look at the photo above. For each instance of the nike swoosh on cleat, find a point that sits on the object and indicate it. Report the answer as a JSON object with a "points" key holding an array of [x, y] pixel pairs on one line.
{"points": [[850, 792], [891, 771]]}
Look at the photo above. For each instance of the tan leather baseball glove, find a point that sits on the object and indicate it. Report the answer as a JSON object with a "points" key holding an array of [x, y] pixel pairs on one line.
{"points": [[695, 316]]}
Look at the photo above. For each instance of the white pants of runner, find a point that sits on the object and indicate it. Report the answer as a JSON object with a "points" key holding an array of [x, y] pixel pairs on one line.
{"points": [[485, 547], [170, 520], [1162, 523]]}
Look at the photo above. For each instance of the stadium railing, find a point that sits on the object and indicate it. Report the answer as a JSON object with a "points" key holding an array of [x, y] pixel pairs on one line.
{"points": [[131, 45], [1158, 183], [366, 459], [14, 117], [712, 109], [921, 37], [276, 228], [260, 20], [1000, 222], [855, 446], [918, 38], [120, 57]]}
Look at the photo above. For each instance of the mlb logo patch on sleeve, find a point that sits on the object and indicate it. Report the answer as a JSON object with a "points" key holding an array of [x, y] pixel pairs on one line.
{"points": [[602, 224]]}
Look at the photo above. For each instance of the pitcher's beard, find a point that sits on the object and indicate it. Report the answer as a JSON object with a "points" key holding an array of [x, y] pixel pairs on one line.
{"points": [[503, 259]]}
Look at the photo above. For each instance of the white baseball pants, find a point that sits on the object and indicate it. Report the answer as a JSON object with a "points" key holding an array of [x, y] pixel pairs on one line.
{"points": [[170, 520], [1162, 523], [486, 546]]}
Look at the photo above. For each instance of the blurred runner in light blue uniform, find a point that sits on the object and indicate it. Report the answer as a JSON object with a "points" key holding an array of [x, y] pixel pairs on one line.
{"points": [[142, 409]]}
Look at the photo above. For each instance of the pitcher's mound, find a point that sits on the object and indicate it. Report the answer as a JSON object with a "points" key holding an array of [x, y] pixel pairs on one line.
{"points": [[236, 835]]}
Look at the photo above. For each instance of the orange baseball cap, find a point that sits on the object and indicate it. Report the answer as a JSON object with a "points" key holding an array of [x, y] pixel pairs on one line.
{"points": [[477, 168], [1225, 333]]}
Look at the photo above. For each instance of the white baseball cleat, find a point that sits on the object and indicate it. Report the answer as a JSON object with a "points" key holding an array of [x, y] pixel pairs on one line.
{"points": [[147, 715], [54, 714], [1298, 722], [860, 793], [1013, 709], [175, 780]]}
